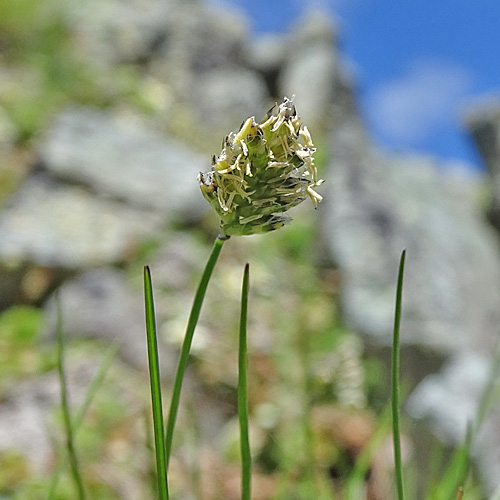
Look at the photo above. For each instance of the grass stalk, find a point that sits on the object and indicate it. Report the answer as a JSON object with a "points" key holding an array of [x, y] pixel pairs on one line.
{"points": [[156, 400], [246, 459], [78, 418], [68, 427], [186, 345], [395, 389]]}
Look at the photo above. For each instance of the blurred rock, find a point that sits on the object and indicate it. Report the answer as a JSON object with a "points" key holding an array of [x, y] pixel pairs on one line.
{"points": [[64, 226], [107, 183], [448, 401], [118, 31], [483, 121], [486, 452], [194, 49], [227, 95], [24, 419], [124, 159], [376, 205], [31, 423], [266, 55], [103, 303], [203, 61], [312, 68], [26, 413], [100, 304], [204, 38]]}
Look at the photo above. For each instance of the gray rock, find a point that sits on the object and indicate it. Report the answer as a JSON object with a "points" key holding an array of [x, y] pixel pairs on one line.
{"points": [[126, 160], [312, 69], [24, 421], [118, 31], [31, 425], [100, 304], [228, 96], [203, 63], [56, 225], [108, 304], [26, 425], [267, 53], [203, 38], [483, 121], [487, 452], [448, 401], [375, 206]]}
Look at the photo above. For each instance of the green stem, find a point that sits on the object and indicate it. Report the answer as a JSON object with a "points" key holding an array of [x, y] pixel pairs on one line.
{"points": [[395, 382], [156, 400], [77, 420], [70, 444], [246, 459], [188, 339]]}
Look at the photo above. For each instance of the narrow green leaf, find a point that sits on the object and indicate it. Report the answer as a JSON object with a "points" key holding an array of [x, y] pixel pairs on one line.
{"points": [[70, 443], [77, 420], [246, 459], [395, 390], [188, 339], [154, 375]]}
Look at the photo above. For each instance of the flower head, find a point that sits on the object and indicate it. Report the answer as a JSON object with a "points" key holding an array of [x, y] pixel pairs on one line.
{"points": [[262, 171]]}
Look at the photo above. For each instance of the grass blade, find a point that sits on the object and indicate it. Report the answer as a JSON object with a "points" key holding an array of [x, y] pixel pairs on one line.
{"points": [[154, 375], [246, 459], [395, 393], [77, 420], [70, 444], [186, 345]]}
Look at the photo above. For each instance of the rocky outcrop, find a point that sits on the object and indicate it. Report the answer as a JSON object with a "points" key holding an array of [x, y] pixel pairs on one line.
{"points": [[121, 158], [483, 122], [376, 205], [102, 185]]}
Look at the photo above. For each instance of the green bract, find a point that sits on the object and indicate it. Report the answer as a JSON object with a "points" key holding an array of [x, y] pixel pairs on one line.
{"points": [[262, 171]]}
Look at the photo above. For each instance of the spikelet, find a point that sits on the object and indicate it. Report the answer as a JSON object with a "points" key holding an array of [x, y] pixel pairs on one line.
{"points": [[262, 171]]}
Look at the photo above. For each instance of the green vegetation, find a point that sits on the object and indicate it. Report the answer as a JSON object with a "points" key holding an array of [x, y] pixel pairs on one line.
{"points": [[156, 398], [293, 389], [314, 413]]}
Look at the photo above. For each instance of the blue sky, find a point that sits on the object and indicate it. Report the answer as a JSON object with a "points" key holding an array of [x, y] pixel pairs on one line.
{"points": [[418, 63]]}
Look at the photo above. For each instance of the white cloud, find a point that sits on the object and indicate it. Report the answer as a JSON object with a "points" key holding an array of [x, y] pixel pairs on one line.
{"points": [[413, 106], [333, 5]]}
